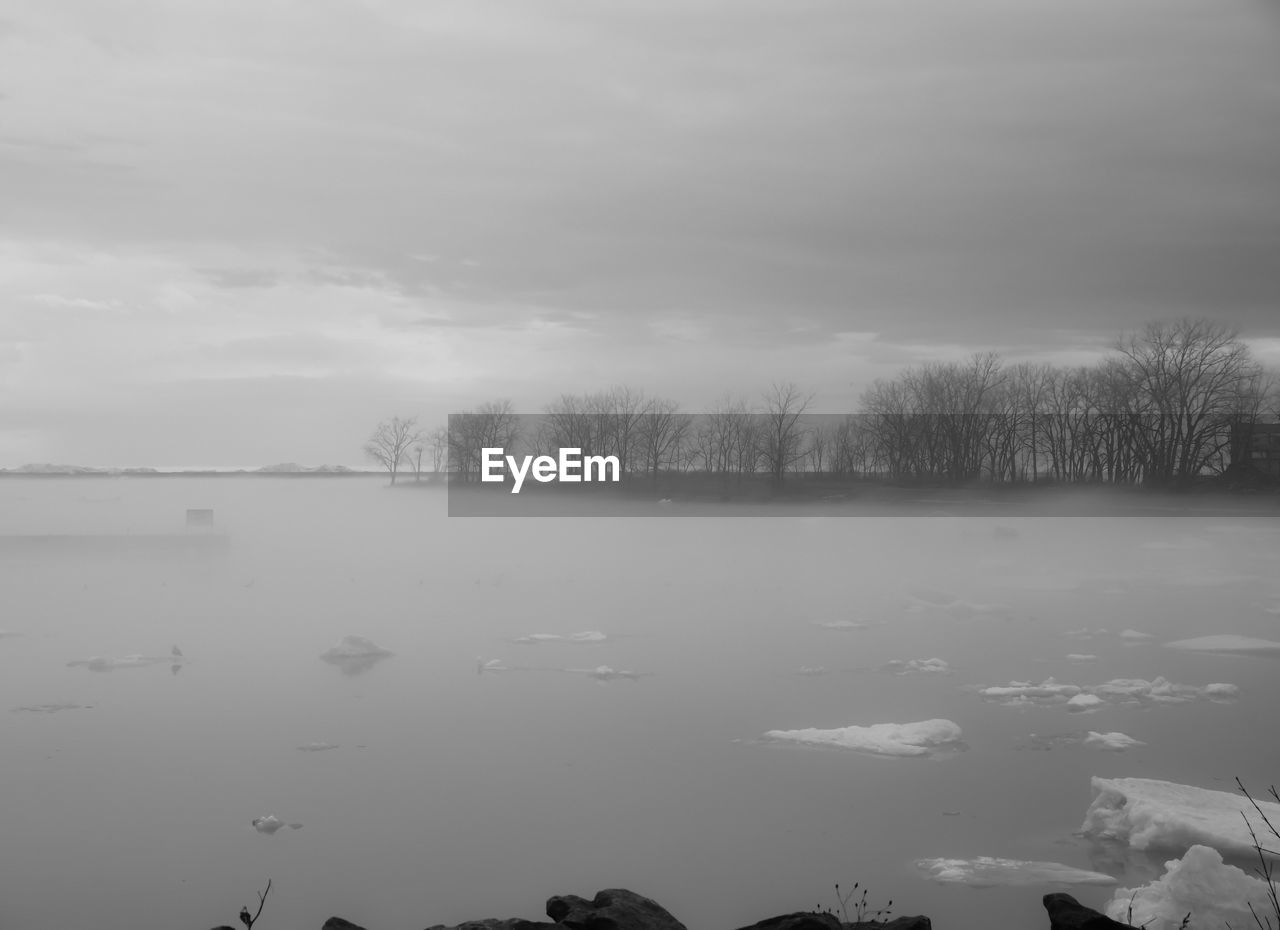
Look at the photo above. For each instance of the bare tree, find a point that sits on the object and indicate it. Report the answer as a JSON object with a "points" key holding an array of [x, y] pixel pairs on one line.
{"points": [[390, 443], [1190, 378], [490, 426], [781, 435], [439, 444]]}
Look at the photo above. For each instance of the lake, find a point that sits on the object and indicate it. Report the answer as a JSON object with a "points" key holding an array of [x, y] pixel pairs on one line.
{"points": [[452, 793]]}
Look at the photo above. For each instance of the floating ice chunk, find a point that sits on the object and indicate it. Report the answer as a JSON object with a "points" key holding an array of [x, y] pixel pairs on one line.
{"points": [[1215, 894], [317, 747], [355, 654], [606, 673], [1150, 814], [901, 667], [1084, 702], [1081, 657], [354, 647], [1083, 633], [886, 739], [1116, 691], [1049, 691], [586, 636], [987, 872], [1134, 636], [51, 708], [110, 663], [1111, 742], [271, 823], [493, 665], [811, 670], [842, 626], [1228, 643]]}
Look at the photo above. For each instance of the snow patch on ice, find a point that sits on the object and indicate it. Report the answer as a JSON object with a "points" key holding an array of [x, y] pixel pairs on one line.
{"points": [[1111, 742], [1150, 814], [1200, 883], [1051, 692], [901, 667], [886, 739]]}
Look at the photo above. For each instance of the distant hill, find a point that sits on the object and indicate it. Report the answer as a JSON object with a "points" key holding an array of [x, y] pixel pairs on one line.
{"points": [[48, 469], [284, 468], [295, 468]]}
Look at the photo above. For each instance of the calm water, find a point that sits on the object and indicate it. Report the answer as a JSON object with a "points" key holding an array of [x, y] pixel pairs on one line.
{"points": [[455, 795]]}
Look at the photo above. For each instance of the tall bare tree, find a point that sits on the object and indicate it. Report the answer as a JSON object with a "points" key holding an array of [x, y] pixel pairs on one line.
{"points": [[782, 436], [1190, 378], [390, 443]]}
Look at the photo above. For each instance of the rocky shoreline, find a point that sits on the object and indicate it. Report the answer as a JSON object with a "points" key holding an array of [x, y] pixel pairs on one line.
{"points": [[620, 909]]}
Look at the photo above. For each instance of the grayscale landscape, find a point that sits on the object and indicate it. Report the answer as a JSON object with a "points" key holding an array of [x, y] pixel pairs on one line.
{"points": [[798, 465]]}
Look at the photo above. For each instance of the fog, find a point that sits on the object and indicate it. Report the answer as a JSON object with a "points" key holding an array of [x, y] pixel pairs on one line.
{"points": [[491, 760]]}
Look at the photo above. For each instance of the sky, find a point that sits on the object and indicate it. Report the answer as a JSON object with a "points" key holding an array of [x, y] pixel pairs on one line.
{"points": [[245, 231]]}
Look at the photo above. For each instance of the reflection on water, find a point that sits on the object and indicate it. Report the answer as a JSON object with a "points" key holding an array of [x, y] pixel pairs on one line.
{"points": [[470, 791]]}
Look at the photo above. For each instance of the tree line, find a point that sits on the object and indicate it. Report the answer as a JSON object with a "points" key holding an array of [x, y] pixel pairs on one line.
{"points": [[1171, 403]]}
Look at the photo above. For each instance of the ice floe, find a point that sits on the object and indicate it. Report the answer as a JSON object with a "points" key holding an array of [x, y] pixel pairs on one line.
{"points": [[355, 654], [1201, 884], [317, 747], [1081, 657], [51, 708], [1148, 814], [811, 671], [110, 663], [905, 667], [1227, 643], [841, 626], [1134, 636], [607, 673], [585, 637], [1111, 742], [1084, 702], [1158, 690], [987, 872], [271, 823], [886, 739]]}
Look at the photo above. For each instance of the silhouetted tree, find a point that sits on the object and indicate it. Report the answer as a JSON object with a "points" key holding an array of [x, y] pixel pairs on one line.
{"points": [[390, 443]]}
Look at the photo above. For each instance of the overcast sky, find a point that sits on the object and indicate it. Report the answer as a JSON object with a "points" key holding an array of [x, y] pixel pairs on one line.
{"points": [[235, 232]]}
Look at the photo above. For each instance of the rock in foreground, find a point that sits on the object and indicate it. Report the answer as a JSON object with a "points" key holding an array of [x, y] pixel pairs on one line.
{"points": [[620, 909], [1066, 913]]}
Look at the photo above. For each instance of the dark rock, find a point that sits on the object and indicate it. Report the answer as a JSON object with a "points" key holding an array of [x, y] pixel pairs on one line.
{"points": [[611, 909], [1066, 913], [804, 920], [493, 923], [918, 922], [340, 923]]}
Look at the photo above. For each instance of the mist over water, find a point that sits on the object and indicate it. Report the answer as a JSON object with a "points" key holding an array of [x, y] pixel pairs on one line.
{"points": [[449, 793]]}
